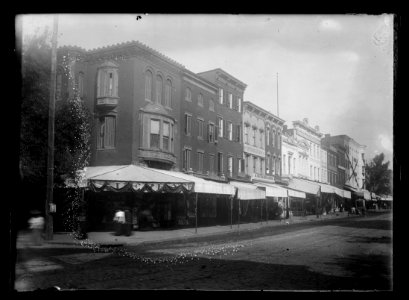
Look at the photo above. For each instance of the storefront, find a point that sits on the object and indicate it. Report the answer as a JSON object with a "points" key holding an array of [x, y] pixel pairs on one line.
{"points": [[252, 202], [149, 198]]}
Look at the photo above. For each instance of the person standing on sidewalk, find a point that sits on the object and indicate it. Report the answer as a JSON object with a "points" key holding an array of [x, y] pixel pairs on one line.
{"points": [[119, 220], [36, 225]]}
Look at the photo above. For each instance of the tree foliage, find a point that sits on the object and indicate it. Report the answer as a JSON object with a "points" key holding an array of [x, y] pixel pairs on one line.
{"points": [[379, 176], [72, 129]]}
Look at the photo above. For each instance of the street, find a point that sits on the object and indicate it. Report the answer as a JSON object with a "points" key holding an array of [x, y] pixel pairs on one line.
{"points": [[340, 254]]}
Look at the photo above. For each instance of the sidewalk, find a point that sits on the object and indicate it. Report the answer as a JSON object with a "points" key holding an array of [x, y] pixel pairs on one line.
{"points": [[138, 237]]}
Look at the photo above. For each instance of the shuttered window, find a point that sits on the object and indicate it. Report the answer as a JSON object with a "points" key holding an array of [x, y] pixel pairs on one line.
{"points": [[106, 137]]}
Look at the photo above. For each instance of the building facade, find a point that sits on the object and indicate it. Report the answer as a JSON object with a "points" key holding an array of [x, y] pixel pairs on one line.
{"points": [[354, 159], [311, 138], [228, 123], [295, 157]]}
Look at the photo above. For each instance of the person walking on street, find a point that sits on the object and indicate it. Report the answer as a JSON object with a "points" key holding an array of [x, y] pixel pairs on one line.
{"points": [[36, 225]]}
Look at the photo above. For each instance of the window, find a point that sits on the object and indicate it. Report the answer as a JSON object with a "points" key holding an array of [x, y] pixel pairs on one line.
{"points": [[246, 134], [168, 93], [247, 163], [211, 134], [294, 165], [188, 94], [148, 85], [254, 164], [268, 136], [273, 167], [274, 140], [211, 163], [187, 124], [239, 104], [284, 160], [159, 85], [221, 100], [240, 163], [107, 84], [81, 84], [268, 164], [230, 131], [200, 128], [220, 128], [261, 139], [166, 136], [238, 133], [186, 159], [254, 136], [155, 133], [211, 105], [289, 164], [220, 162], [230, 166], [200, 100], [200, 161], [278, 140], [278, 165], [106, 138], [318, 173], [261, 165], [230, 101], [310, 171]]}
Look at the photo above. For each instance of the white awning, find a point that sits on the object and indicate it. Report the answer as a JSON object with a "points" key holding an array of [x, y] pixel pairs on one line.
{"points": [[273, 190], [367, 195], [296, 194], [133, 178], [303, 186], [248, 191], [202, 185], [347, 194]]}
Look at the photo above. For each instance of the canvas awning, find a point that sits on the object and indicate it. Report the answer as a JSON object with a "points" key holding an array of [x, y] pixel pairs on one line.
{"points": [[303, 186], [273, 190], [386, 198], [347, 194], [326, 188], [134, 178], [296, 194], [367, 195], [201, 185], [248, 191]]}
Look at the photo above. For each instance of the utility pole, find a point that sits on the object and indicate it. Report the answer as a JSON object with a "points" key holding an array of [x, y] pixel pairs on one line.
{"points": [[278, 112], [51, 114]]}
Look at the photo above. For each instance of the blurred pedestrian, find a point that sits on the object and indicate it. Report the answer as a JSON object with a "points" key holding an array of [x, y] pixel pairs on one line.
{"points": [[119, 220], [36, 225]]}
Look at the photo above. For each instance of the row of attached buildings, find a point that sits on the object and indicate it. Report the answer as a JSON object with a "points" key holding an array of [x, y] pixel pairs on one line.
{"points": [[174, 147]]}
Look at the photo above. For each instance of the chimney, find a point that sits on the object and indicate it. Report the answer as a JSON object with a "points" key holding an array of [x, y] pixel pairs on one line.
{"points": [[305, 120]]}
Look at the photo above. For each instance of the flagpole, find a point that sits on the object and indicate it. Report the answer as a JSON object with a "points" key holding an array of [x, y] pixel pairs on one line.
{"points": [[278, 112], [51, 115]]}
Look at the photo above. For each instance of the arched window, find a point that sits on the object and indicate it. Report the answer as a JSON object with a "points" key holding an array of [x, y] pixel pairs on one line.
{"points": [[188, 94], [211, 105], [200, 100], [148, 85], [168, 93], [159, 87]]}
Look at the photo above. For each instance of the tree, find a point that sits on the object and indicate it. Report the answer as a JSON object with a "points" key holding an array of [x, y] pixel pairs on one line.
{"points": [[72, 129], [379, 176]]}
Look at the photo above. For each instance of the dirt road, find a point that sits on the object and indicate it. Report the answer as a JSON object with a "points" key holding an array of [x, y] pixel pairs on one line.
{"points": [[341, 254]]}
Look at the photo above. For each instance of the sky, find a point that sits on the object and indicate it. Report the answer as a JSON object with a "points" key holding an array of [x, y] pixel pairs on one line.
{"points": [[335, 70]]}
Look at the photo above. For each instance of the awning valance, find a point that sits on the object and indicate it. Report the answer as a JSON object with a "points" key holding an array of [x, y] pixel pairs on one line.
{"points": [[134, 178], [273, 190], [248, 191], [303, 186], [201, 185]]}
